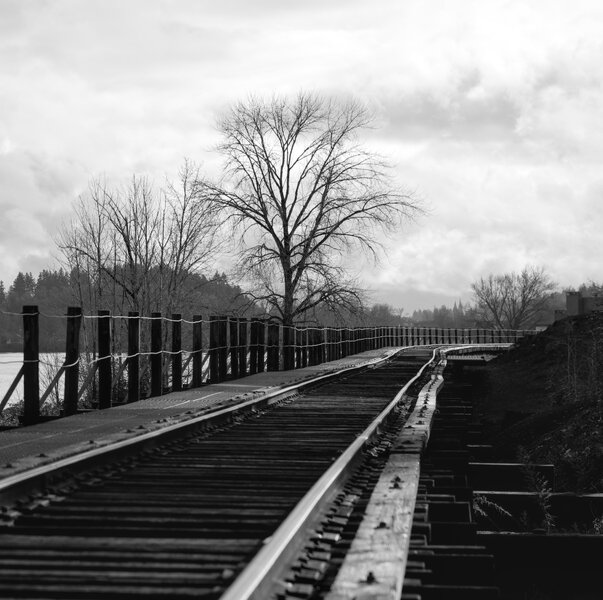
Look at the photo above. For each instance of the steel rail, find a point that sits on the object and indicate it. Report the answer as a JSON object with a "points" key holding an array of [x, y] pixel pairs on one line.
{"points": [[38, 478], [269, 564]]}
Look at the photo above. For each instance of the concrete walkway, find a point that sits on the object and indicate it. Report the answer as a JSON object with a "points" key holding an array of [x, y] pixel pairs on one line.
{"points": [[28, 447]]}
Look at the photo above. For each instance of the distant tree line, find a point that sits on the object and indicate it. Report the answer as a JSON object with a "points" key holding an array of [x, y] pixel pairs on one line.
{"points": [[54, 290], [460, 316]]}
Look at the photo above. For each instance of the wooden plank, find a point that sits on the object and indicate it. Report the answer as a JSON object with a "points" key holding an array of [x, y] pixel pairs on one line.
{"points": [[375, 564]]}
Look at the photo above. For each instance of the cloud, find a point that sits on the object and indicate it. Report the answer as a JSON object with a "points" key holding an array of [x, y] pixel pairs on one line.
{"points": [[490, 110], [36, 196]]}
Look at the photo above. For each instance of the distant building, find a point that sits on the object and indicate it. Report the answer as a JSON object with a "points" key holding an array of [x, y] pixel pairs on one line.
{"points": [[578, 304]]}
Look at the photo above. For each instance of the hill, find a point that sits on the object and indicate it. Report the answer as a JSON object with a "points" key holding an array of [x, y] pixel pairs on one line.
{"points": [[543, 401]]}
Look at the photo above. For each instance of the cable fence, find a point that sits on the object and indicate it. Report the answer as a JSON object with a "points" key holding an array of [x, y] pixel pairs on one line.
{"points": [[118, 359]]}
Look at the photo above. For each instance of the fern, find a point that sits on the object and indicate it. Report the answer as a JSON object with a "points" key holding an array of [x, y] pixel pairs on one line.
{"points": [[538, 484]]}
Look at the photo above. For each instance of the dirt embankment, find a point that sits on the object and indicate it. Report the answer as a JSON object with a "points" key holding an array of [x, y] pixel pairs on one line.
{"points": [[543, 401]]}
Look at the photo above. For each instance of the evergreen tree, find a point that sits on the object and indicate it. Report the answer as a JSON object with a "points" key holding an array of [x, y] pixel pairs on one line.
{"points": [[21, 292]]}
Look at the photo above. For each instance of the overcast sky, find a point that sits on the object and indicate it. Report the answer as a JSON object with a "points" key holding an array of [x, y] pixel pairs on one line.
{"points": [[491, 110]]}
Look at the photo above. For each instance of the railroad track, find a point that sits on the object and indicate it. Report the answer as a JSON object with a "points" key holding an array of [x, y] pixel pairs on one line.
{"points": [[219, 508]]}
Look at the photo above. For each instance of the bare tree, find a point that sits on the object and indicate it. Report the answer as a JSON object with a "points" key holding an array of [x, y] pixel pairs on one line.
{"points": [[513, 300], [303, 191], [138, 244]]}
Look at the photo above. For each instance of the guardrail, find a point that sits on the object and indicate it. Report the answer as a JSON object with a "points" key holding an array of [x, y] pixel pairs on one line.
{"points": [[149, 358]]}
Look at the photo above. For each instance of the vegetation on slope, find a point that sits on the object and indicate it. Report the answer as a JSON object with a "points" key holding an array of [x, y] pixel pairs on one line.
{"points": [[545, 399]]}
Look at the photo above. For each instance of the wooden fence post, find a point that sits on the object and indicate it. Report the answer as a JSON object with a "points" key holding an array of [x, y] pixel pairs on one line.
{"points": [[242, 347], [104, 356], [310, 346], [298, 347], [222, 348], [254, 333], [261, 346], [233, 336], [156, 354], [323, 345], [273, 347], [318, 344], [31, 365], [197, 378], [176, 352], [288, 349], [214, 367], [133, 356], [72, 358], [305, 349]]}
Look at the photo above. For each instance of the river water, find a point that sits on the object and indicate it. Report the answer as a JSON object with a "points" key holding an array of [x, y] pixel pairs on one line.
{"points": [[10, 363]]}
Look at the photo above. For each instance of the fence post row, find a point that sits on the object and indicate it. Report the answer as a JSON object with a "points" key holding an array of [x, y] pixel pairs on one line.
{"points": [[250, 345]]}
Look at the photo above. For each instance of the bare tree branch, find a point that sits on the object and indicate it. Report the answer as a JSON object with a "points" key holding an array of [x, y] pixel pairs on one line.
{"points": [[513, 300], [303, 191], [142, 242]]}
